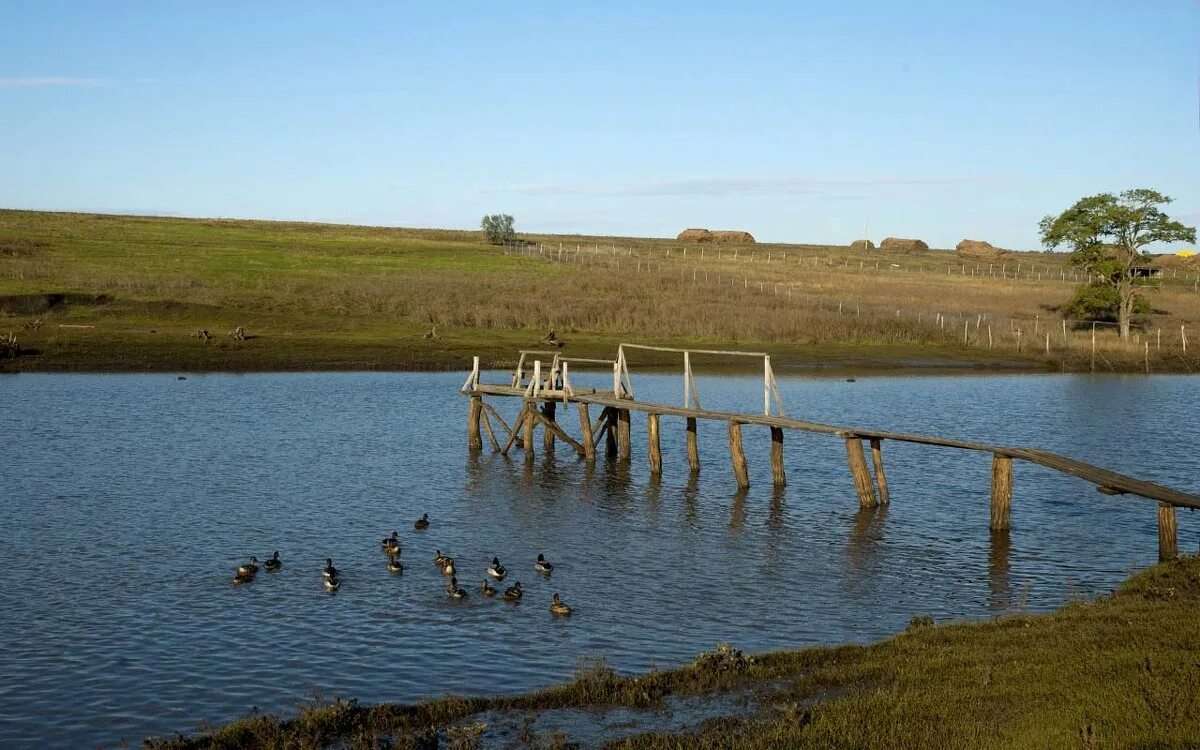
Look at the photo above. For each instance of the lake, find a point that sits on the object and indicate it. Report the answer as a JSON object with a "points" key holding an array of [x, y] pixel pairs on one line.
{"points": [[129, 499]]}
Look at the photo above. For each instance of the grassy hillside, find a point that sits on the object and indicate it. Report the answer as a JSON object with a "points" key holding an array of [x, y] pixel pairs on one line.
{"points": [[133, 290], [1120, 671]]}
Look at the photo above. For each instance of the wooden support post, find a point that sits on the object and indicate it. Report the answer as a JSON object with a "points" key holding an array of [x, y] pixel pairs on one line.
{"points": [[487, 425], [585, 424], [880, 476], [777, 472], [1168, 546], [1001, 491], [655, 450], [474, 410], [548, 435], [693, 450], [860, 473], [624, 449], [737, 455], [610, 433], [530, 410], [513, 434]]}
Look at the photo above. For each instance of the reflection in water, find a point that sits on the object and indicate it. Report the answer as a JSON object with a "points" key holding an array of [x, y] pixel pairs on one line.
{"points": [[737, 514], [691, 499], [999, 586], [865, 535], [653, 500]]}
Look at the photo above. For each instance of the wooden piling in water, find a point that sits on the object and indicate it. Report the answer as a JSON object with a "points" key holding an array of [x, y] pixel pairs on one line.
{"points": [[880, 476], [1001, 491], [1168, 545], [778, 475], [527, 438], [737, 455], [655, 450], [610, 433], [585, 426], [624, 449], [693, 450], [474, 411], [860, 473], [547, 434]]}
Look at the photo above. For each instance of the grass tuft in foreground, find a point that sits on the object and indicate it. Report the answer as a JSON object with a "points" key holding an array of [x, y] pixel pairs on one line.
{"points": [[1120, 671]]}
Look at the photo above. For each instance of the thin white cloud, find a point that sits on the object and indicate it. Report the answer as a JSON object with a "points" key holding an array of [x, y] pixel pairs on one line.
{"points": [[729, 186], [43, 81]]}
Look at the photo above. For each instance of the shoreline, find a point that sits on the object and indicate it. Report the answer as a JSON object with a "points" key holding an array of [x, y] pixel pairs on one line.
{"points": [[1117, 670]]}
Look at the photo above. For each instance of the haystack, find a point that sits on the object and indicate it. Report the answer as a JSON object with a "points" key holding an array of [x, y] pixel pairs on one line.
{"points": [[978, 249], [864, 245], [905, 247], [695, 235], [732, 237]]}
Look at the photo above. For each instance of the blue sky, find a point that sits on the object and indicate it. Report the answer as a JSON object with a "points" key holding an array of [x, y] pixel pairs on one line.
{"points": [[799, 122]]}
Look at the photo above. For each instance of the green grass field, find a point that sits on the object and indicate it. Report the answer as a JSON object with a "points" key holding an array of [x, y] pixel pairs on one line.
{"points": [[319, 296], [1121, 671]]}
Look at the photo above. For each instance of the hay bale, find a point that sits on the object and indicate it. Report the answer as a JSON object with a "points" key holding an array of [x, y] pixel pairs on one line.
{"points": [[902, 246], [978, 249], [732, 237], [695, 235], [863, 245]]}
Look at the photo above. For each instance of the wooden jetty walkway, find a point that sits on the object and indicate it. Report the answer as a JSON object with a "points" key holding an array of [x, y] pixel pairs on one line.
{"points": [[542, 380]]}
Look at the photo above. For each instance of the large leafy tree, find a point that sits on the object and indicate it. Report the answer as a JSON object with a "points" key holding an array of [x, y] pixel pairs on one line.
{"points": [[1107, 235], [498, 228]]}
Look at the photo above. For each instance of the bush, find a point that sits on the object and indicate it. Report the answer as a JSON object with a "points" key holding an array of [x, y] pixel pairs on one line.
{"points": [[498, 228], [1098, 301]]}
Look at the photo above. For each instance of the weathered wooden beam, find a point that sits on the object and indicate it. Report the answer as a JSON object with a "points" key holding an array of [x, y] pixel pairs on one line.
{"points": [[530, 419], [880, 475], [860, 473], [1001, 491], [474, 409], [585, 424], [487, 425], [737, 455], [778, 475], [655, 450], [513, 435], [610, 434], [1168, 543], [488, 408], [624, 447], [693, 450], [555, 428], [548, 410]]}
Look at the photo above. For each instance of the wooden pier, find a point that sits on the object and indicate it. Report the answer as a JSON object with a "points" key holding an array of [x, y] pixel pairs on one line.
{"points": [[542, 381]]}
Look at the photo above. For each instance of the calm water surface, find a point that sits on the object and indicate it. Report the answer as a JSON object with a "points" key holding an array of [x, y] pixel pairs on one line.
{"points": [[127, 501]]}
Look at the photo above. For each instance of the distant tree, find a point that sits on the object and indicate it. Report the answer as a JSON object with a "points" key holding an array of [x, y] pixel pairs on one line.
{"points": [[498, 228], [1107, 234]]}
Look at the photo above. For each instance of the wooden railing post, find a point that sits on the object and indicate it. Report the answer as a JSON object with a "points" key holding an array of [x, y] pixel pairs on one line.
{"points": [[693, 450], [737, 455], [777, 471], [860, 473], [474, 413], [880, 476], [655, 450], [1168, 546], [585, 426], [1001, 491]]}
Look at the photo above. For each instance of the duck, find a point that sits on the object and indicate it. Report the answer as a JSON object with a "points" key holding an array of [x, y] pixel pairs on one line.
{"points": [[394, 564], [333, 583], [391, 544], [249, 568], [558, 607], [542, 566], [496, 570], [274, 563], [240, 578], [513, 592], [448, 567], [439, 558], [486, 589], [454, 591], [422, 523], [329, 571]]}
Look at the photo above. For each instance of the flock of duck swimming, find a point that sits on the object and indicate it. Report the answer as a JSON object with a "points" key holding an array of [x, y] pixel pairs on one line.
{"points": [[391, 547]]}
